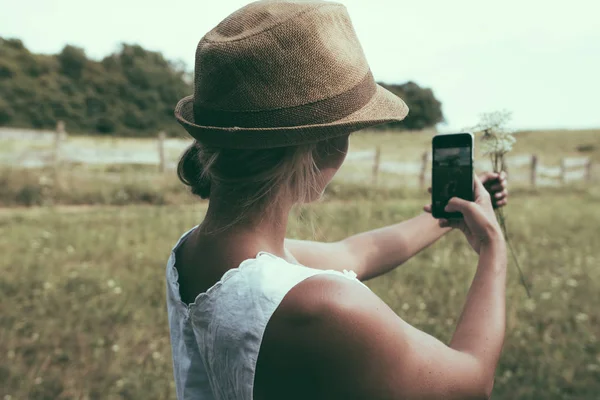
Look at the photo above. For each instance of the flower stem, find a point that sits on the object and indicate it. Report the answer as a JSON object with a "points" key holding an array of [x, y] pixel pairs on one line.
{"points": [[500, 215]]}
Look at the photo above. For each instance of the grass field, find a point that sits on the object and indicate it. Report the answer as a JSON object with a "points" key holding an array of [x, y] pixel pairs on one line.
{"points": [[83, 310], [82, 295]]}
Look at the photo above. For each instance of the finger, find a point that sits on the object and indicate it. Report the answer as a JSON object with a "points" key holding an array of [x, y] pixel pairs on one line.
{"points": [[479, 189], [457, 204], [498, 187], [501, 203], [427, 208], [429, 189], [503, 175], [501, 195], [488, 176]]}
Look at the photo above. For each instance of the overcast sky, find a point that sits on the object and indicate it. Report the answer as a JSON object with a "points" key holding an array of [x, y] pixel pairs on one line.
{"points": [[539, 59]]}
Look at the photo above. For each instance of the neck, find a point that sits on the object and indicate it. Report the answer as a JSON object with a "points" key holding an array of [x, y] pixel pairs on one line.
{"points": [[256, 231]]}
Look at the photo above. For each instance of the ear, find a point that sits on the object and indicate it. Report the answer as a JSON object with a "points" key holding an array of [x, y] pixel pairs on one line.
{"points": [[331, 153]]}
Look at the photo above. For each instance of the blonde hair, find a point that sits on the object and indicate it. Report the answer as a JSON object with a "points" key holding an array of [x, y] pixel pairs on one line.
{"points": [[258, 179]]}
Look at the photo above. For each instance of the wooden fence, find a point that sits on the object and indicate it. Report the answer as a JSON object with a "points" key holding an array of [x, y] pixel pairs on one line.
{"points": [[570, 168], [527, 166]]}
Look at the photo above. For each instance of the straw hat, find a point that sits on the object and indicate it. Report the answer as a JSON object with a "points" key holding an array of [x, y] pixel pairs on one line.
{"points": [[280, 73]]}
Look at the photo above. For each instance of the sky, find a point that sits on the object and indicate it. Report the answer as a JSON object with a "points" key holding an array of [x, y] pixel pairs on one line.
{"points": [[540, 60]]}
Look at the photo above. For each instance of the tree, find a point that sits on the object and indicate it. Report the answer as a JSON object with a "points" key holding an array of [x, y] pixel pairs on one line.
{"points": [[425, 109], [130, 92], [72, 61]]}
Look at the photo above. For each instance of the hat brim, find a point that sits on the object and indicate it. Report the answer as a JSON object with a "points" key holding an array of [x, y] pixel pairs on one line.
{"points": [[384, 107]]}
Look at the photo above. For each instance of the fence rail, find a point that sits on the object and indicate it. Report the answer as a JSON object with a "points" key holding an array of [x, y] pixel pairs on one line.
{"points": [[569, 169], [520, 166]]}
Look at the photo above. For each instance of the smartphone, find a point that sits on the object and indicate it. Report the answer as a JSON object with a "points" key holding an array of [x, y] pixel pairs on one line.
{"points": [[451, 172]]}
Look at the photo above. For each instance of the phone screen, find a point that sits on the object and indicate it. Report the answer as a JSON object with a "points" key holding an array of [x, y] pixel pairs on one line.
{"points": [[452, 173]]}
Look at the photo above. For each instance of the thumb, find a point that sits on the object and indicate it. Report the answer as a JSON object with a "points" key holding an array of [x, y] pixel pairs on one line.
{"points": [[479, 189], [457, 204]]}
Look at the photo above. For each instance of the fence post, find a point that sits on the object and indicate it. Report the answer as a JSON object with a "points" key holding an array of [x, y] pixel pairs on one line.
{"points": [[563, 171], [588, 170], [376, 161], [534, 164], [161, 151], [424, 164], [59, 135]]}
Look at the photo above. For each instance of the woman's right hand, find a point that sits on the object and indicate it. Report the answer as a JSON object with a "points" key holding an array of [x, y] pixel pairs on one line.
{"points": [[479, 223]]}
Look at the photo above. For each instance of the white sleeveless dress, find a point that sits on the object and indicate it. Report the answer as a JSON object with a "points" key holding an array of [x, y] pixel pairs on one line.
{"points": [[215, 340]]}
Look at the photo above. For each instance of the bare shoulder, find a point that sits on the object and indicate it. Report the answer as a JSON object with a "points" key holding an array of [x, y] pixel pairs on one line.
{"points": [[319, 336], [332, 338]]}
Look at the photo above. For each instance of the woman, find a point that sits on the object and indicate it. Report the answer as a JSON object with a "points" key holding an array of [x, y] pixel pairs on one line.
{"points": [[279, 86]]}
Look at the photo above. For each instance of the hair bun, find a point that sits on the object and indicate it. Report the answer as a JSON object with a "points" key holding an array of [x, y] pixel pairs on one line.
{"points": [[190, 171]]}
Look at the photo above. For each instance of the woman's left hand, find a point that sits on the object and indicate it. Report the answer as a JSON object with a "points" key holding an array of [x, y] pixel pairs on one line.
{"points": [[497, 186]]}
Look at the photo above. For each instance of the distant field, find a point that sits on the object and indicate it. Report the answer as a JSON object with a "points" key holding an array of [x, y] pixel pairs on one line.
{"points": [[82, 296], [550, 145]]}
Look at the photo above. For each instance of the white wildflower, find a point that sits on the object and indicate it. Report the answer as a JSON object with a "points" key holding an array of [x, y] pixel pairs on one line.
{"points": [[405, 306], [118, 290], [47, 285], [545, 296], [529, 305], [44, 180], [37, 380], [582, 317], [115, 348], [70, 249], [111, 283], [572, 282]]}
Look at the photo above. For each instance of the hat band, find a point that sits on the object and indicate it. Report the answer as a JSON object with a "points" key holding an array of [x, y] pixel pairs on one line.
{"points": [[319, 112]]}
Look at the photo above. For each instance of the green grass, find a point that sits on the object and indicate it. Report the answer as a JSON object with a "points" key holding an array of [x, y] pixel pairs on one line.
{"points": [[67, 332]]}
